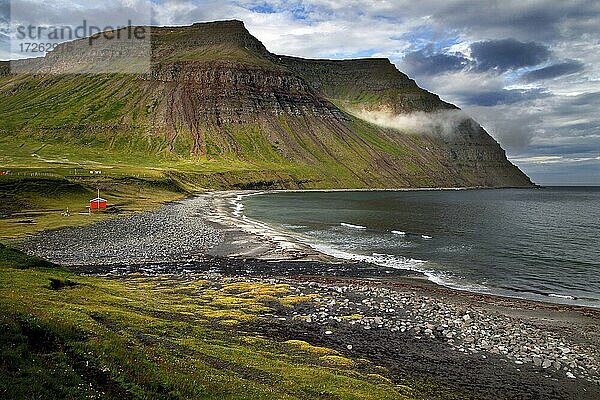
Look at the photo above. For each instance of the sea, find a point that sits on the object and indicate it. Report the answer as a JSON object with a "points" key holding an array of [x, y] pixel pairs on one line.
{"points": [[540, 244]]}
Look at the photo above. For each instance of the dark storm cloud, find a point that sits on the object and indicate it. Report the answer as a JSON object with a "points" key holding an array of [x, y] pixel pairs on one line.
{"points": [[490, 55], [526, 20], [503, 96], [554, 71], [427, 62], [4, 12], [506, 54]]}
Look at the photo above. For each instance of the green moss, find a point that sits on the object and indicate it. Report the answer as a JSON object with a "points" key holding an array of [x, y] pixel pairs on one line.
{"points": [[337, 361], [307, 347]]}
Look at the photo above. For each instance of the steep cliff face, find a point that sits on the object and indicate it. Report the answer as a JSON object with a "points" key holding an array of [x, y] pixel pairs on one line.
{"points": [[376, 85], [214, 92]]}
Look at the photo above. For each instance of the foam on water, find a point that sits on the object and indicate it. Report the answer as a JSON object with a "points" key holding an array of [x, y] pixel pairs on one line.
{"points": [[561, 296], [351, 226], [238, 207], [397, 262], [290, 241], [290, 226]]}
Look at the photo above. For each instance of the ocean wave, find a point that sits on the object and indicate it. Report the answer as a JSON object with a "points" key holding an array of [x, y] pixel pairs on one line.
{"points": [[346, 225], [426, 237], [384, 260], [400, 233], [562, 296], [399, 262], [436, 276], [238, 207], [290, 226]]}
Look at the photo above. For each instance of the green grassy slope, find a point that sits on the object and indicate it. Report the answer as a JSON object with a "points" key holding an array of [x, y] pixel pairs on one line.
{"points": [[220, 111], [30, 204], [77, 122]]}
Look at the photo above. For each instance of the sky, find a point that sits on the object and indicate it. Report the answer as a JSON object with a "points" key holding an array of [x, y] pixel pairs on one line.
{"points": [[527, 70]]}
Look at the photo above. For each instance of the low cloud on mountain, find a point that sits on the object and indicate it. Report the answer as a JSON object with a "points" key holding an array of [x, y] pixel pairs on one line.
{"points": [[441, 122]]}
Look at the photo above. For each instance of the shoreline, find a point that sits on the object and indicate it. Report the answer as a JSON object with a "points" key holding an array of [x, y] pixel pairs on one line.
{"points": [[499, 349], [290, 247], [277, 245], [240, 237], [487, 345]]}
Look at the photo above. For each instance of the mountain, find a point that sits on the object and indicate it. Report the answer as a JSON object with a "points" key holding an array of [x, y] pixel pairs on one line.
{"points": [[217, 109]]}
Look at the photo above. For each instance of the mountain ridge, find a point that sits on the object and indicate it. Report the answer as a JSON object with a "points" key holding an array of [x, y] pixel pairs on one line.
{"points": [[215, 94]]}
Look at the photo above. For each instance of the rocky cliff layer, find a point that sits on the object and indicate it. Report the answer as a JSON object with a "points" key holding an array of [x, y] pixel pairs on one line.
{"points": [[370, 83], [214, 92]]}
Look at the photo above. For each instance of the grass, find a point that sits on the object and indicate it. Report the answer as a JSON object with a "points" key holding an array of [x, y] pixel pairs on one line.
{"points": [[33, 204], [11, 258], [50, 172], [69, 336]]}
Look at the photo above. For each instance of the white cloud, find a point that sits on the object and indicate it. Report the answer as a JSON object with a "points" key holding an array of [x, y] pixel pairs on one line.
{"points": [[441, 122], [554, 159]]}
